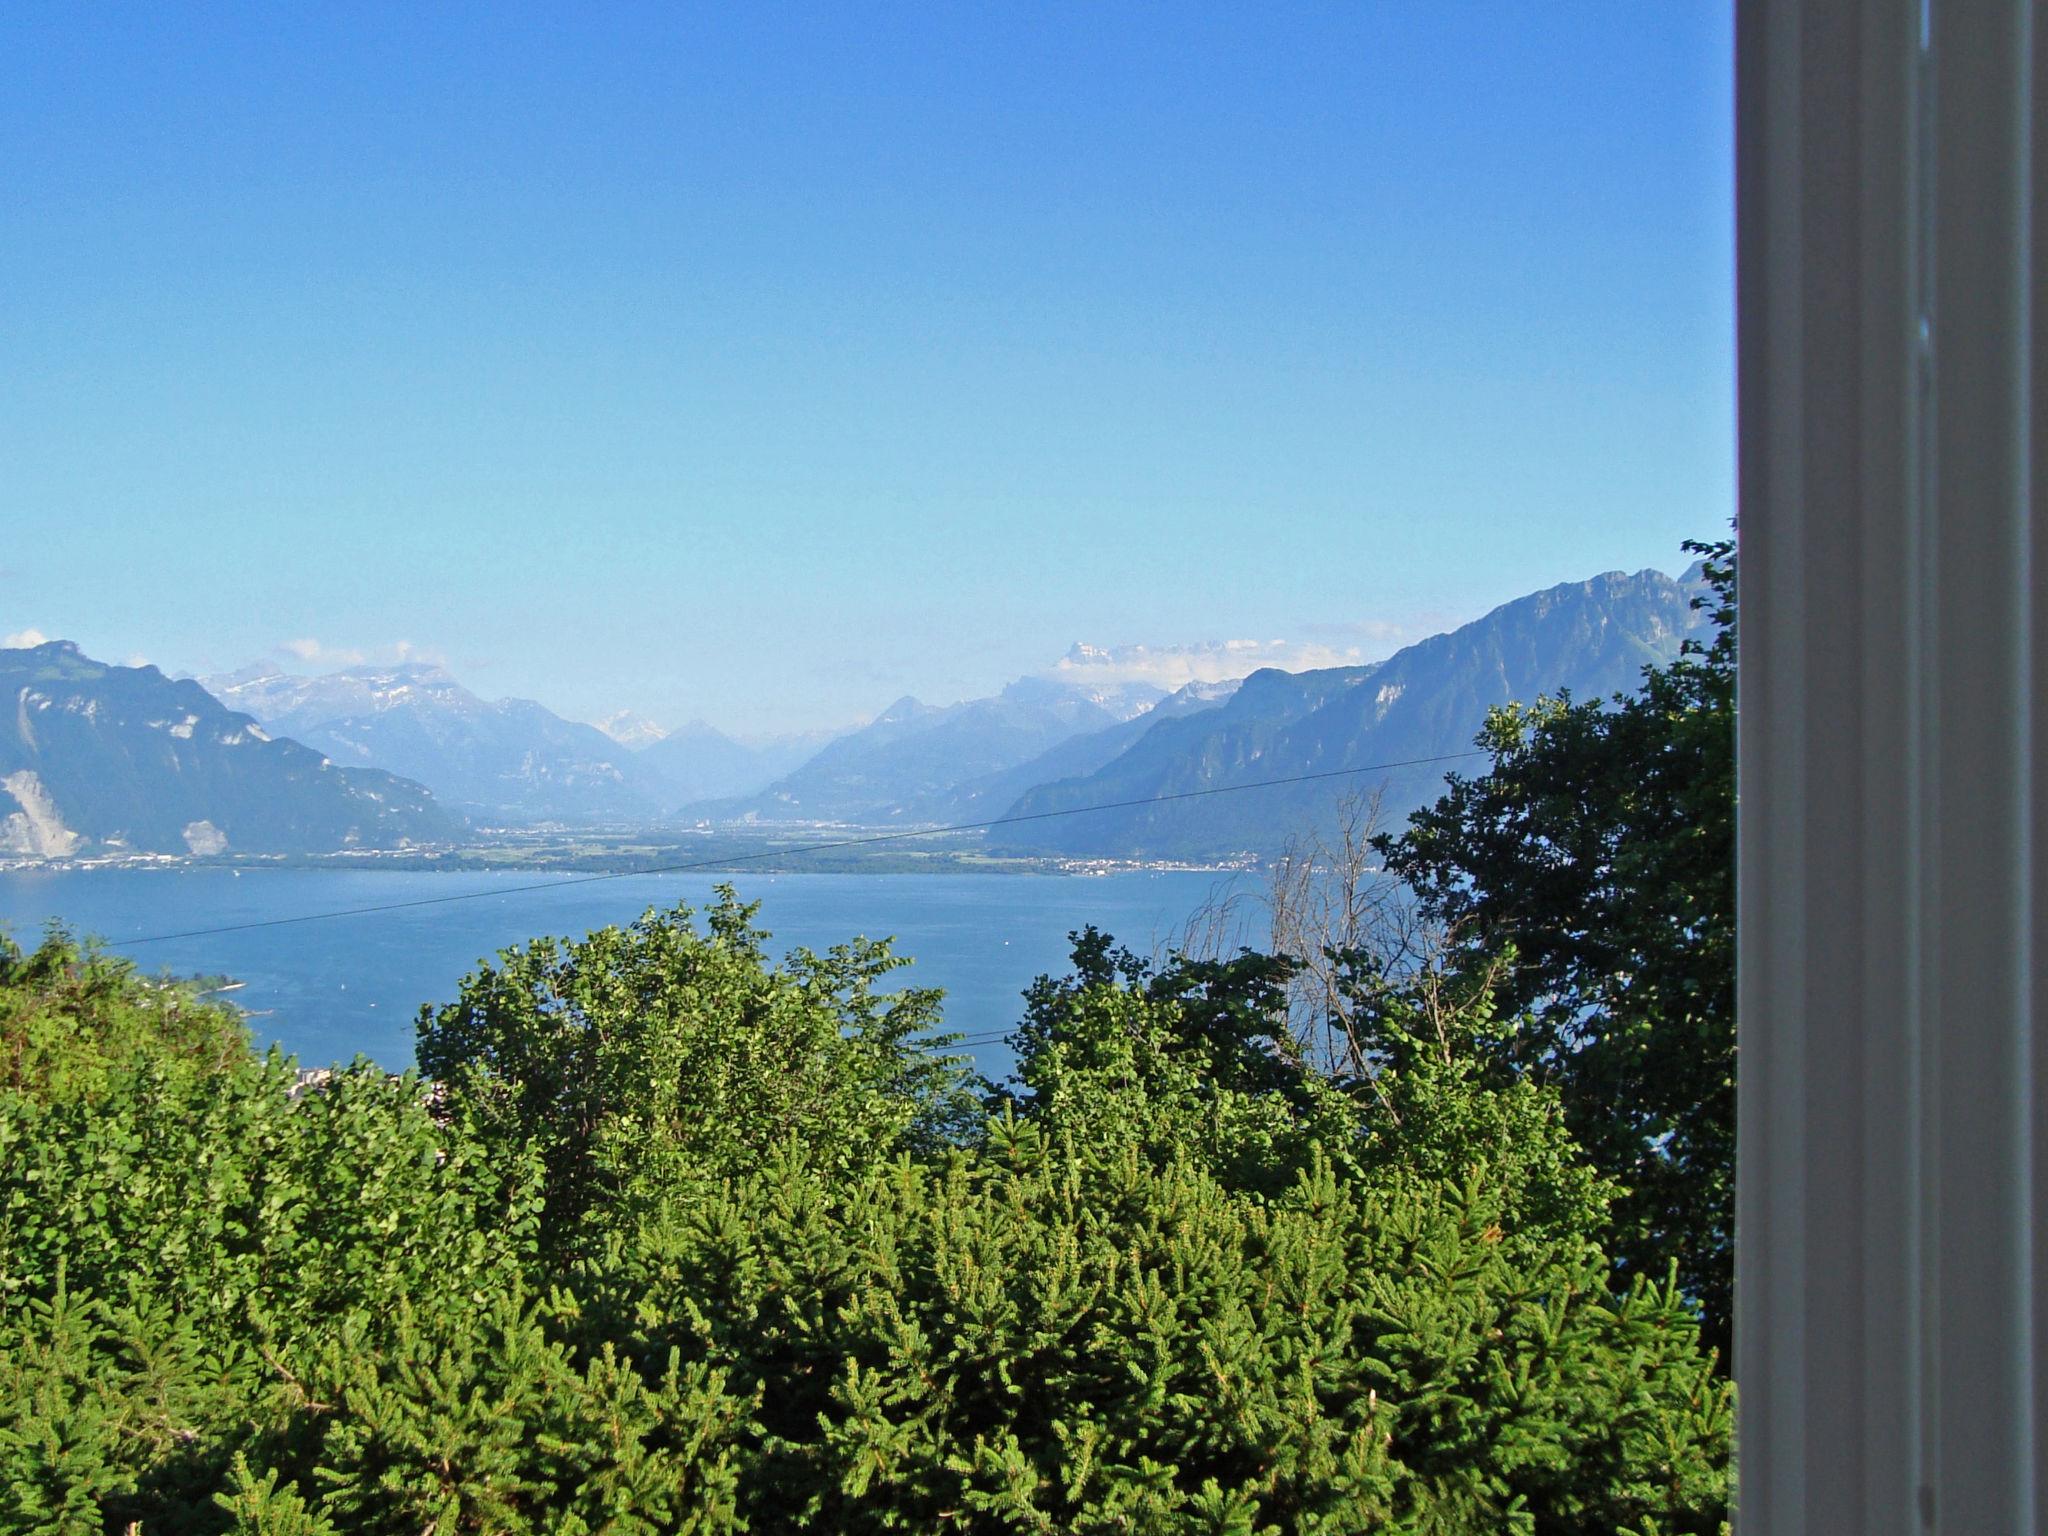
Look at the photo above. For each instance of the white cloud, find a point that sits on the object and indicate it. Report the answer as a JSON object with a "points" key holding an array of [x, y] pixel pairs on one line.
{"points": [[1377, 631], [317, 653], [23, 639], [1214, 661], [314, 653]]}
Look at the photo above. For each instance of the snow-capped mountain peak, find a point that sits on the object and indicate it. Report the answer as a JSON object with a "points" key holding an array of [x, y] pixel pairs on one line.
{"points": [[630, 730]]}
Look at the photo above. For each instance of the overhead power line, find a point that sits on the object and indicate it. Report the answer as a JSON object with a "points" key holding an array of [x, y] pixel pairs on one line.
{"points": [[702, 865], [987, 1037]]}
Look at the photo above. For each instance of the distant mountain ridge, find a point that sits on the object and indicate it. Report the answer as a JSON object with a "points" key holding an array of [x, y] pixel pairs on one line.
{"points": [[1095, 729], [697, 762], [629, 730], [506, 757], [1167, 668], [991, 795], [1591, 638], [909, 762], [97, 758]]}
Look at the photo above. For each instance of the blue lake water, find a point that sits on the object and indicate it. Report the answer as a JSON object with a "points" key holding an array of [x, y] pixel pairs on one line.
{"points": [[332, 989]]}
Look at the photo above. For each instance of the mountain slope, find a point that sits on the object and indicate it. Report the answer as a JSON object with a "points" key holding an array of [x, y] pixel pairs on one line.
{"points": [[989, 796], [630, 730], [699, 762], [507, 757], [901, 765], [1590, 637], [95, 757]]}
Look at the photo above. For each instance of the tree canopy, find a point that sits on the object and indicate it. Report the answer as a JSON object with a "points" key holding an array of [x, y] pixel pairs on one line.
{"points": [[686, 1240], [1599, 851], [1415, 1219]]}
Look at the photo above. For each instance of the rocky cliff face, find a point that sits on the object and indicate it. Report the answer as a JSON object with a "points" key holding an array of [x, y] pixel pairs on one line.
{"points": [[98, 758]]}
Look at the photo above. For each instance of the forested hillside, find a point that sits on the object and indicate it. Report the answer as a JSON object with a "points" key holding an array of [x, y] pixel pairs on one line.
{"points": [[762, 1264]]}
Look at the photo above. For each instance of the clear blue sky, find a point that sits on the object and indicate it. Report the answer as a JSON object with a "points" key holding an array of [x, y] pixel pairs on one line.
{"points": [[767, 362]]}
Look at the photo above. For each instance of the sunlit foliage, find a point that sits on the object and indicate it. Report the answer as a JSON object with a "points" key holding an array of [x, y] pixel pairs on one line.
{"points": [[687, 1240]]}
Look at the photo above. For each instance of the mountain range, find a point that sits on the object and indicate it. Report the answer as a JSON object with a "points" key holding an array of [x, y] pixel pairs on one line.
{"points": [[911, 762], [508, 759], [698, 762], [1426, 701], [377, 756], [993, 794], [98, 758]]}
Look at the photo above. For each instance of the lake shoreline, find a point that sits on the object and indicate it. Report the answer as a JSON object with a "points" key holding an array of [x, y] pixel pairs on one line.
{"points": [[490, 859], [390, 940]]}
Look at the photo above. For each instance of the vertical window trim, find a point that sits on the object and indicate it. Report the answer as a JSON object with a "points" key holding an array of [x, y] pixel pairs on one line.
{"points": [[1890, 1138]]}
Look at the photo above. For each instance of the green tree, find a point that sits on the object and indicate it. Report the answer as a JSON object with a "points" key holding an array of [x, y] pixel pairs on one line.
{"points": [[70, 1013], [1600, 850], [645, 1054], [1189, 1057], [1184, 1281]]}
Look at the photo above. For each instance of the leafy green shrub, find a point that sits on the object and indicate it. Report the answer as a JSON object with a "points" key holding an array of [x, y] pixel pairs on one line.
{"points": [[644, 1054], [1071, 1335], [69, 1013], [480, 1420], [250, 1211], [261, 1507], [689, 1241]]}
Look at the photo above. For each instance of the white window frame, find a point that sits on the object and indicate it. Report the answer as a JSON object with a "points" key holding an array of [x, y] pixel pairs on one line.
{"points": [[1893, 1147]]}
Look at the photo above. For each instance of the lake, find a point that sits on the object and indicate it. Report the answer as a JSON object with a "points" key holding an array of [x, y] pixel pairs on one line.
{"points": [[331, 990]]}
